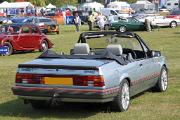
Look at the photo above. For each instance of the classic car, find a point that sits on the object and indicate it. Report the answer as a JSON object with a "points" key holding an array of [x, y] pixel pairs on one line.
{"points": [[160, 21], [47, 25], [128, 24], [174, 14], [23, 37], [102, 67]]}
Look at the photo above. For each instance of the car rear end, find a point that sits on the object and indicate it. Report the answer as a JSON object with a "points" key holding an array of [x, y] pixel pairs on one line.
{"points": [[73, 81], [47, 25]]}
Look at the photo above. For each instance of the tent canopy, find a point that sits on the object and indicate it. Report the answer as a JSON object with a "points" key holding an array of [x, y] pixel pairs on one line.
{"points": [[16, 5], [90, 6], [143, 5], [118, 5], [50, 6]]}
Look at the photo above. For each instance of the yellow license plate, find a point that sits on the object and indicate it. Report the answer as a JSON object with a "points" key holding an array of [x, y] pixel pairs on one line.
{"points": [[58, 81]]}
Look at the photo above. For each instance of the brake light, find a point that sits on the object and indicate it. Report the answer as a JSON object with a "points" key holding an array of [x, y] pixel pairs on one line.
{"points": [[96, 81], [28, 78]]}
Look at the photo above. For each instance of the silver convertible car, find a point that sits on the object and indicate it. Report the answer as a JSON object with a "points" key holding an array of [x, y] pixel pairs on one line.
{"points": [[102, 67]]}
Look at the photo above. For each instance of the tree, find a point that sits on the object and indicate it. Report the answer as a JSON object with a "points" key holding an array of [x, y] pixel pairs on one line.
{"points": [[38, 2], [61, 2]]}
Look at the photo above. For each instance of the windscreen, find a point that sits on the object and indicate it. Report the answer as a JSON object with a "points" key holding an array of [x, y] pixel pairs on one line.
{"points": [[102, 42]]}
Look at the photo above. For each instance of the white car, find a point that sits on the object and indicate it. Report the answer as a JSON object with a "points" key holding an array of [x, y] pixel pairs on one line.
{"points": [[161, 21]]}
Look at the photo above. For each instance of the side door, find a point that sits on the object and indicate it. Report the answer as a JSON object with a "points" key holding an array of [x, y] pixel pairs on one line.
{"points": [[134, 24], [24, 37], [145, 67], [35, 37], [152, 67]]}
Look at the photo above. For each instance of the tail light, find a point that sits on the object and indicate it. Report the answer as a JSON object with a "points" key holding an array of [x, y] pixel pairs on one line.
{"points": [[28, 78], [96, 81]]}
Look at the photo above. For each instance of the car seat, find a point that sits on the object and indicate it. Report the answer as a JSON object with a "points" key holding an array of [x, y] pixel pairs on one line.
{"points": [[115, 49], [81, 49]]}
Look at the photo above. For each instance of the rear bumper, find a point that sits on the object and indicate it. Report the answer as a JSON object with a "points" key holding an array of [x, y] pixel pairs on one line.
{"points": [[66, 94]]}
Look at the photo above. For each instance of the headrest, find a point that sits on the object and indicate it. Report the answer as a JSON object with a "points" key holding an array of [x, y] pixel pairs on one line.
{"points": [[115, 49], [81, 49]]}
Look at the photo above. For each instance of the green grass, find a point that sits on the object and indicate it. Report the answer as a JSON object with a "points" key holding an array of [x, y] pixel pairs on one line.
{"points": [[149, 106]]}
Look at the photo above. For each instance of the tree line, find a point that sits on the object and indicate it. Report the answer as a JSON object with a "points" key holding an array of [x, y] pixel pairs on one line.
{"points": [[60, 2]]}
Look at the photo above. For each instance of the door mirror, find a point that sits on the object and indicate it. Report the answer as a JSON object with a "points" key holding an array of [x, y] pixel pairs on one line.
{"points": [[155, 53]]}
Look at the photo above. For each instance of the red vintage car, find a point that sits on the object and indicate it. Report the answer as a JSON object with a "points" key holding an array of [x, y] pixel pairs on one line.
{"points": [[23, 37]]}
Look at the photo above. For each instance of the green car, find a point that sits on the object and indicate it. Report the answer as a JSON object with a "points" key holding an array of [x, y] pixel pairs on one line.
{"points": [[128, 24]]}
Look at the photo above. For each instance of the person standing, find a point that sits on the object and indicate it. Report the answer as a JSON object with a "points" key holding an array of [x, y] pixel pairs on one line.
{"points": [[77, 21], [90, 21], [101, 21]]}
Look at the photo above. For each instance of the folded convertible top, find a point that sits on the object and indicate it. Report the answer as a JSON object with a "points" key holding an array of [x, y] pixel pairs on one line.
{"points": [[106, 55]]}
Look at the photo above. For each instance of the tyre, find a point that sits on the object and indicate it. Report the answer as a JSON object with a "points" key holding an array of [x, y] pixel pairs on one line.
{"points": [[10, 48], [122, 29], [43, 46], [122, 101], [162, 84], [57, 32], [40, 104], [173, 24]]}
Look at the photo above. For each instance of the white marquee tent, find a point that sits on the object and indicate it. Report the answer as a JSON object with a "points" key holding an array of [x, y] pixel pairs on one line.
{"points": [[50, 6], [91, 6], [119, 5], [5, 5], [143, 5]]}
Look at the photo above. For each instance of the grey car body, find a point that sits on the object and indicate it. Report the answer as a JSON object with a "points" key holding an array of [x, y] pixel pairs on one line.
{"points": [[105, 72], [43, 23]]}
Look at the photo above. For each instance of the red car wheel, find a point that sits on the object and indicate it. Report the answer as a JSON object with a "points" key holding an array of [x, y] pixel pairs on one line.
{"points": [[44, 46], [10, 48]]}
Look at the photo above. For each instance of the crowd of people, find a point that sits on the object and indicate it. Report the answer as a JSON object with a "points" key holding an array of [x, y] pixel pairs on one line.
{"points": [[94, 19]]}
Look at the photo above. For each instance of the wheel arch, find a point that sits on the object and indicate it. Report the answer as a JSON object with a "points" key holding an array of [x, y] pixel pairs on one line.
{"points": [[164, 65], [126, 76], [172, 22], [129, 81]]}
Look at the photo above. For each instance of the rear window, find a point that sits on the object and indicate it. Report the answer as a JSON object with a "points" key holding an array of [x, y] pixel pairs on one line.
{"points": [[45, 20]]}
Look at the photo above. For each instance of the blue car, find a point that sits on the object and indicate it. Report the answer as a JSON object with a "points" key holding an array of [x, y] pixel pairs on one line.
{"points": [[102, 67]]}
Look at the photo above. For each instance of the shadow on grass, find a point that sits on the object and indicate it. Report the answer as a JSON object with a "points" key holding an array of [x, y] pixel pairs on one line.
{"points": [[177, 33], [16, 108]]}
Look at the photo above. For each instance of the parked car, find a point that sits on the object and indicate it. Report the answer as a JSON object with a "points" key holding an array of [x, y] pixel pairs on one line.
{"points": [[128, 24], [19, 19], [113, 11], [120, 65], [174, 14], [47, 25], [23, 37], [160, 21]]}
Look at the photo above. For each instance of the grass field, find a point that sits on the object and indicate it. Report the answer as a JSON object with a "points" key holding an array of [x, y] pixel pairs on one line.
{"points": [[147, 106]]}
